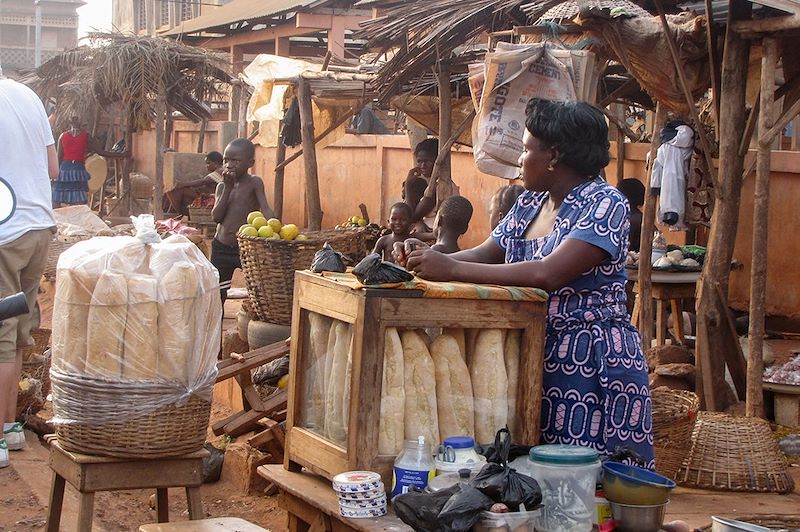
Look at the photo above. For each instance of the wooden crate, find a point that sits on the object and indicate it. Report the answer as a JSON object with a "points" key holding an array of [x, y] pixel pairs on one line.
{"points": [[371, 312]]}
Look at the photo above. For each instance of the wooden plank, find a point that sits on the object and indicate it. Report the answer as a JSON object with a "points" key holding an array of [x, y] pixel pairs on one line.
{"points": [[529, 399], [194, 502], [328, 459], [767, 25], [482, 314], [218, 428], [313, 204], [141, 474], [734, 357], [85, 511], [250, 395], [367, 374], [258, 357], [754, 406], [244, 423], [56, 503], [162, 505]]}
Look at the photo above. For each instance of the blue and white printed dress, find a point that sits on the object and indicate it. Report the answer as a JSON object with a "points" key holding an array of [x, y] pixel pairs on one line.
{"points": [[595, 391]]}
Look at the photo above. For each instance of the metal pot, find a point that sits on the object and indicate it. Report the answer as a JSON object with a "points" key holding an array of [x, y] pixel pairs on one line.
{"points": [[722, 524], [638, 518]]}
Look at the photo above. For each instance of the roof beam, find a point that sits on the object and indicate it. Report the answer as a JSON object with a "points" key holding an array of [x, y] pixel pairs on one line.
{"points": [[767, 25], [325, 22]]}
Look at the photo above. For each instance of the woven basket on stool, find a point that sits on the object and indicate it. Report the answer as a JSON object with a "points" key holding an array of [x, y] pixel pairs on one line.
{"points": [[96, 426], [674, 414], [269, 267], [735, 454], [35, 365]]}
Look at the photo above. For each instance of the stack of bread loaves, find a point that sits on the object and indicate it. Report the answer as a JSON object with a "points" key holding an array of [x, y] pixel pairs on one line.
{"points": [[135, 316], [460, 382]]}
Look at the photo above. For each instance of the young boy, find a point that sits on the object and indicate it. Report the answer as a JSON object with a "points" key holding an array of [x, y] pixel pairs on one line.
{"points": [[238, 195], [400, 224], [179, 198], [451, 222]]}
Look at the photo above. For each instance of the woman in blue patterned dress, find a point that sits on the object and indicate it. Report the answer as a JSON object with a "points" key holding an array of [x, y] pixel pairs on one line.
{"points": [[568, 234]]}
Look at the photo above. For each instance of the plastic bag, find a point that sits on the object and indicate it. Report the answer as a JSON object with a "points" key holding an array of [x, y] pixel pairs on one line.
{"points": [[212, 464], [421, 510], [503, 484], [328, 259], [372, 270], [463, 509]]}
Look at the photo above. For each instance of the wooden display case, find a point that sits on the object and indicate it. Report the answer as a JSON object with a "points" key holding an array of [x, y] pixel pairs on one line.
{"points": [[370, 312]]}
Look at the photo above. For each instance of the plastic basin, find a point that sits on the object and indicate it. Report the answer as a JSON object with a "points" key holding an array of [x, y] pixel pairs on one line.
{"points": [[626, 484]]}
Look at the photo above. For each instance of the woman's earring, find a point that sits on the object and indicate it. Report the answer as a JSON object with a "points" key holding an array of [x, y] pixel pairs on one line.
{"points": [[550, 167]]}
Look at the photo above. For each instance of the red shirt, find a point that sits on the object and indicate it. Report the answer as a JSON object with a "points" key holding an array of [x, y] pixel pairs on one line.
{"points": [[74, 148]]}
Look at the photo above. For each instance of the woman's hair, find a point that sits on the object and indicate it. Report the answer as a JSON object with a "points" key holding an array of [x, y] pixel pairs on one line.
{"points": [[505, 197], [577, 130], [429, 146], [633, 189]]}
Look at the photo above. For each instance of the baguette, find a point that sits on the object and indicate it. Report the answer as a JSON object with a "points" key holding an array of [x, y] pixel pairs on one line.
{"points": [[338, 390], [489, 385], [470, 336], [141, 345], [453, 389], [74, 288], [393, 396], [106, 329], [460, 338], [421, 416], [176, 322], [511, 353], [319, 327]]}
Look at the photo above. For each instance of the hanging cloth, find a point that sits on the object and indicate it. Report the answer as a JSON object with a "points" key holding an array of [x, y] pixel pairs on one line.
{"points": [[669, 175]]}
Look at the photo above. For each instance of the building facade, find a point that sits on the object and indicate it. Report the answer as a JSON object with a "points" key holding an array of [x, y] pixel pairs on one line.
{"points": [[18, 30], [143, 17]]}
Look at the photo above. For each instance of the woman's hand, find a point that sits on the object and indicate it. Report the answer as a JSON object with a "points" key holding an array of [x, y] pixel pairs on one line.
{"points": [[431, 265], [401, 250]]}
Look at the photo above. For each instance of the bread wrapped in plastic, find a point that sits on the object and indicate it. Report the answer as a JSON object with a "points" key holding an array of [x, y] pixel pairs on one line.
{"points": [[135, 312]]}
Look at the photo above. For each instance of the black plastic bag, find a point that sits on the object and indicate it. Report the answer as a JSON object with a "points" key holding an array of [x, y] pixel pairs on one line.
{"points": [[492, 454], [463, 509], [504, 484], [270, 373], [290, 132], [372, 270], [328, 259], [212, 464], [421, 510]]}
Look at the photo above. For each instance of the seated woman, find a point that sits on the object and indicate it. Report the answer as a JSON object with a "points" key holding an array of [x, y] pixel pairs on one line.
{"points": [[177, 200], [568, 234]]}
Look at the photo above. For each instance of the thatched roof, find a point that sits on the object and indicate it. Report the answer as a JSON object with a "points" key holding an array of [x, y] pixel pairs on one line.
{"points": [[131, 72]]}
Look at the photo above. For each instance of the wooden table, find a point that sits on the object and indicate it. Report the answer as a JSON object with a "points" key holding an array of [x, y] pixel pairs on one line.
{"points": [[90, 474], [312, 505], [213, 524], [668, 289]]}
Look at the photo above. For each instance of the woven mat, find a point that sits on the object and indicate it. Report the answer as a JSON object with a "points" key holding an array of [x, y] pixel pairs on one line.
{"points": [[448, 290]]}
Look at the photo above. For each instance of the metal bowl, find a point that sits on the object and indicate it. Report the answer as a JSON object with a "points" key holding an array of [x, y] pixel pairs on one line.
{"points": [[722, 524], [627, 484], [638, 518]]}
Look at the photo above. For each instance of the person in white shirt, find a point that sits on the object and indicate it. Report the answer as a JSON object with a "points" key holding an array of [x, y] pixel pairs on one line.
{"points": [[28, 163]]}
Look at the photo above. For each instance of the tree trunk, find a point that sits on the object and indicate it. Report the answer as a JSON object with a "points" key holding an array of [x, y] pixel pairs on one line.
{"points": [[313, 204], [201, 138], [758, 273], [712, 331]]}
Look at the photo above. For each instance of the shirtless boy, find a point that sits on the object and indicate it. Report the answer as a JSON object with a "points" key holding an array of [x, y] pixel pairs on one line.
{"points": [[238, 195], [400, 224]]}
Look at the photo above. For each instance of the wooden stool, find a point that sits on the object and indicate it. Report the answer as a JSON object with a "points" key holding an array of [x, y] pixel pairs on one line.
{"points": [[89, 474], [665, 294], [214, 524]]}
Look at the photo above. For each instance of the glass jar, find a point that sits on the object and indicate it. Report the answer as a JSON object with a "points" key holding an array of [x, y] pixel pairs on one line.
{"points": [[413, 467]]}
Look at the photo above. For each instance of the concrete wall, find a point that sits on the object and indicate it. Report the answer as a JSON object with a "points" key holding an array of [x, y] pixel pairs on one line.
{"points": [[371, 168]]}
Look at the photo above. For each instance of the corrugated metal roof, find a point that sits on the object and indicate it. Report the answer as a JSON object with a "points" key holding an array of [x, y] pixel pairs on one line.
{"points": [[237, 11]]}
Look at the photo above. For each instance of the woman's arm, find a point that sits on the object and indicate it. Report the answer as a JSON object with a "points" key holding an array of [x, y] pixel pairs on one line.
{"points": [[487, 252], [570, 259]]}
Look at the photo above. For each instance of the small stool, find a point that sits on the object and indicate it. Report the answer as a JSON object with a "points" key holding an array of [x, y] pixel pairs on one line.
{"points": [[214, 524], [90, 474], [666, 294]]}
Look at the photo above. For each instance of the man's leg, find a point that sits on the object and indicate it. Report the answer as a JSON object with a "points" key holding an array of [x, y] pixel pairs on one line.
{"points": [[225, 259]]}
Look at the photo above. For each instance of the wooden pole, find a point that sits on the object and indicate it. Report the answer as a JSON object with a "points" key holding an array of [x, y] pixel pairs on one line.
{"points": [[313, 204], [170, 126], [277, 190], [244, 99], [161, 110], [201, 136], [445, 119], [713, 335], [620, 155], [646, 249], [754, 406], [713, 63]]}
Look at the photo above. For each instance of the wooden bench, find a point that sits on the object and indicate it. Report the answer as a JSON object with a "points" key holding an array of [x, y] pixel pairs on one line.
{"points": [[90, 474]]}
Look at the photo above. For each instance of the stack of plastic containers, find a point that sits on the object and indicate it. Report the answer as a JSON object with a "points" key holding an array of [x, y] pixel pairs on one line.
{"points": [[361, 494]]}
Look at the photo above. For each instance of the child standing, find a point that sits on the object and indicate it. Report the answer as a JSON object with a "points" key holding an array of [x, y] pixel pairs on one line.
{"points": [[450, 223], [400, 224], [238, 195]]}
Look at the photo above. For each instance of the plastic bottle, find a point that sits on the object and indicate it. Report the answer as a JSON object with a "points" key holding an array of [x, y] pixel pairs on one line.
{"points": [[413, 467], [443, 481]]}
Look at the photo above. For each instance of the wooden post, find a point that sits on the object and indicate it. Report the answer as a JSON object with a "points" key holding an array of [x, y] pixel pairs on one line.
{"points": [[161, 110], [445, 119], [648, 226], [237, 56], [201, 138], [754, 406], [244, 99], [313, 204], [620, 111], [713, 62], [713, 335], [170, 126], [280, 156]]}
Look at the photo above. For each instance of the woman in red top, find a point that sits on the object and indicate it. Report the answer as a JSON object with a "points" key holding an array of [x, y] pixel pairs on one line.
{"points": [[72, 183]]}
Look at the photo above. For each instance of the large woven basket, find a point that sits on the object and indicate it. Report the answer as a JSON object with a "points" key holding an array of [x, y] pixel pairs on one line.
{"points": [[735, 454], [58, 246], [674, 415], [775, 521], [169, 430], [269, 267]]}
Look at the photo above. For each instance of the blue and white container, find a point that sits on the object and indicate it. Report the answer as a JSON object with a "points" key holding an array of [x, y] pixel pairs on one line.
{"points": [[413, 467]]}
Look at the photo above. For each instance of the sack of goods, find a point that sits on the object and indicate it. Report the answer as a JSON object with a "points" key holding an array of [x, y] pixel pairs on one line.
{"points": [[136, 332]]}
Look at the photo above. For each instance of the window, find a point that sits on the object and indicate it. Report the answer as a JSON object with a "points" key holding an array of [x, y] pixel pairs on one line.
{"points": [[164, 13], [141, 16], [187, 9]]}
